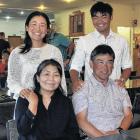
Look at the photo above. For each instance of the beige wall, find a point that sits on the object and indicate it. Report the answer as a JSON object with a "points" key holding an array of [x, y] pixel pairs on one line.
{"points": [[62, 20], [137, 13], [12, 27], [122, 16]]}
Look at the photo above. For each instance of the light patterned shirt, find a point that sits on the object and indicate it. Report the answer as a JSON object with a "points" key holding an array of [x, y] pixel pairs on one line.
{"points": [[104, 104], [22, 67]]}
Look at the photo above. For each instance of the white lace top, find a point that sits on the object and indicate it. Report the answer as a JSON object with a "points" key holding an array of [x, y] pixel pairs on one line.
{"points": [[22, 67]]}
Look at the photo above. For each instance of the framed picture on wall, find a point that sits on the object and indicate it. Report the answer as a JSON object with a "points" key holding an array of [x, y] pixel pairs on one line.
{"points": [[76, 24]]}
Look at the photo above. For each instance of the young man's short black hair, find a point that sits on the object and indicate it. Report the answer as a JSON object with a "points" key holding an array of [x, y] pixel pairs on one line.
{"points": [[102, 49], [102, 8]]}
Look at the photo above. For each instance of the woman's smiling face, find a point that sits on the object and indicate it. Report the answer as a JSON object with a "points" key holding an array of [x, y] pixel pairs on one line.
{"points": [[37, 28], [49, 78]]}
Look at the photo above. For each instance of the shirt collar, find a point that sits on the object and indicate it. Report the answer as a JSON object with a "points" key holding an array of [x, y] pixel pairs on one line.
{"points": [[96, 82], [111, 34]]}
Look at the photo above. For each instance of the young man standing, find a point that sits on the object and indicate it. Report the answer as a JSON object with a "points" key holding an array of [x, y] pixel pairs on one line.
{"points": [[101, 14]]}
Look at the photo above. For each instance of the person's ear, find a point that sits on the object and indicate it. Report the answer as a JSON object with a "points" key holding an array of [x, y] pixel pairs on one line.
{"points": [[38, 79], [26, 28], [111, 17], [113, 66], [91, 64]]}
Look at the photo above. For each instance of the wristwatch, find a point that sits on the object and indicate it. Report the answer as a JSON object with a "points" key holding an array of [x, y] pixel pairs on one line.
{"points": [[119, 129]]}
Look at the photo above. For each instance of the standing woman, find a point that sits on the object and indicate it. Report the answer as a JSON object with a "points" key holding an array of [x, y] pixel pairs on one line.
{"points": [[45, 113], [24, 60]]}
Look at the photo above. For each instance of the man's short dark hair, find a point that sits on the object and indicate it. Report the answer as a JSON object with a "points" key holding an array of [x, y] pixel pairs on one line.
{"points": [[2, 34], [5, 52], [102, 50], [102, 8]]}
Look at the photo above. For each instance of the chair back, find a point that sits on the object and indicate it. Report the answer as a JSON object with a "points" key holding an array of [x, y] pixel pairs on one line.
{"points": [[11, 128], [6, 111], [134, 94], [136, 104]]}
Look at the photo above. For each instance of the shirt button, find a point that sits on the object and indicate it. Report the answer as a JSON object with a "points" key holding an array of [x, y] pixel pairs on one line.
{"points": [[33, 118]]}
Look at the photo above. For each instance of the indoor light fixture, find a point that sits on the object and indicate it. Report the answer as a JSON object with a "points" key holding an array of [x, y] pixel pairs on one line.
{"points": [[21, 12], [7, 17], [68, 1], [42, 7], [1, 4]]}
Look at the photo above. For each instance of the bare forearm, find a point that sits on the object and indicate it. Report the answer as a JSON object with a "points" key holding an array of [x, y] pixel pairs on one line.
{"points": [[71, 49], [74, 75], [90, 130], [76, 82], [126, 122]]}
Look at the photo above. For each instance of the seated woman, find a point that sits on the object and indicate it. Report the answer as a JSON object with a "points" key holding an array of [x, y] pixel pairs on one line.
{"points": [[45, 113]]}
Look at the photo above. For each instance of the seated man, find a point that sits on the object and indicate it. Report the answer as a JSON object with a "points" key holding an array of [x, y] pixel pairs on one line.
{"points": [[101, 107]]}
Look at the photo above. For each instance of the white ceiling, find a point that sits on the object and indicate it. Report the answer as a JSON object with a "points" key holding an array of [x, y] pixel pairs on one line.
{"points": [[13, 7]]}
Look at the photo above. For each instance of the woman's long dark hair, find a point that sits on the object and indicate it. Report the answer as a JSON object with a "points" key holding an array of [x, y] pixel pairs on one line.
{"points": [[27, 41], [40, 68]]}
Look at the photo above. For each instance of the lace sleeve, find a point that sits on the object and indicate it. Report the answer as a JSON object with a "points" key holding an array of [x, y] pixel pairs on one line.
{"points": [[58, 57], [14, 72]]}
